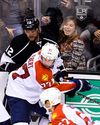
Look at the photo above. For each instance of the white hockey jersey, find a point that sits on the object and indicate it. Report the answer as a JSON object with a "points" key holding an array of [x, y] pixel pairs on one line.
{"points": [[32, 78]]}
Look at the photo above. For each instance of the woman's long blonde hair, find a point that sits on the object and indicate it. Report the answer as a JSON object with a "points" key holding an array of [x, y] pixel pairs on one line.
{"points": [[63, 37]]}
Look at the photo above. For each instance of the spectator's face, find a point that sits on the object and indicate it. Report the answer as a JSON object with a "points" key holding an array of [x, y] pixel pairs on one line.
{"points": [[32, 34], [69, 28]]}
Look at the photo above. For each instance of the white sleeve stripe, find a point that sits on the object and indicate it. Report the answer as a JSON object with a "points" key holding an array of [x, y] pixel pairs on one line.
{"points": [[81, 85], [20, 50]]}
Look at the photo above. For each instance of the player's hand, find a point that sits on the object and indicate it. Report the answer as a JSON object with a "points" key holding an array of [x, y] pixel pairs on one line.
{"points": [[60, 76], [81, 85]]}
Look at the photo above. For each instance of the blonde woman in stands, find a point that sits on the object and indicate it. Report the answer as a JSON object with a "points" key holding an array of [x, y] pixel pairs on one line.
{"points": [[71, 46]]}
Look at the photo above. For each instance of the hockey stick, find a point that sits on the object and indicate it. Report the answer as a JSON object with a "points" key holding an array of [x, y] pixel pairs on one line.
{"points": [[95, 87], [92, 86], [88, 98]]}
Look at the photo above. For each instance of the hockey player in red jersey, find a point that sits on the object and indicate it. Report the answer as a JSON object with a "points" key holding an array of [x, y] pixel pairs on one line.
{"points": [[27, 83], [62, 114]]}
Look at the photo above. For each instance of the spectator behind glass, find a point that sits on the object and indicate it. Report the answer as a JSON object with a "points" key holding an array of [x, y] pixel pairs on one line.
{"points": [[67, 7], [87, 36], [11, 12], [96, 42], [91, 38], [96, 46], [22, 46], [71, 46], [51, 22]]}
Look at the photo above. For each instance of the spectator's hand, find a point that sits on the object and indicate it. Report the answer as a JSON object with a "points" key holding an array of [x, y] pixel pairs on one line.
{"points": [[66, 3], [46, 20], [97, 34], [10, 31]]}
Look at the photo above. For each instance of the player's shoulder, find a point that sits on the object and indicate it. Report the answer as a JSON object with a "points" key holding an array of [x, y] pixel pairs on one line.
{"points": [[19, 40], [20, 37]]}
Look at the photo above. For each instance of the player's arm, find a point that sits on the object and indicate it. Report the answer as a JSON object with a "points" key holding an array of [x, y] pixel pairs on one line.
{"points": [[75, 84], [7, 63]]}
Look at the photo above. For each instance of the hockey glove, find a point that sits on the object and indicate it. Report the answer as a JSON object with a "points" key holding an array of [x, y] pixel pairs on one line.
{"points": [[81, 85], [60, 76]]}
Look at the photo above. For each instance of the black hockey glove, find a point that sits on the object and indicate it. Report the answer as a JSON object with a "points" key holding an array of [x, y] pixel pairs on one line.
{"points": [[71, 93], [60, 76], [81, 85]]}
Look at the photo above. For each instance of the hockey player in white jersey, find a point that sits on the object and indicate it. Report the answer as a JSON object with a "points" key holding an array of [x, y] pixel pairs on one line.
{"points": [[27, 83], [63, 114]]}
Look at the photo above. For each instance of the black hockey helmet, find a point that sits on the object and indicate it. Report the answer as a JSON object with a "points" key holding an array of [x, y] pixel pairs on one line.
{"points": [[29, 20], [30, 23]]}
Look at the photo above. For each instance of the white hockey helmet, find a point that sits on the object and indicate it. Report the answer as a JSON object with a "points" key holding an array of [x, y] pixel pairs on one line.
{"points": [[53, 95], [50, 51]]}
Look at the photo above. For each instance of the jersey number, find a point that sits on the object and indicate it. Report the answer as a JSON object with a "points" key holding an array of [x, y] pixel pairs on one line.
{"points": [[9, 51], [23, 76]]}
